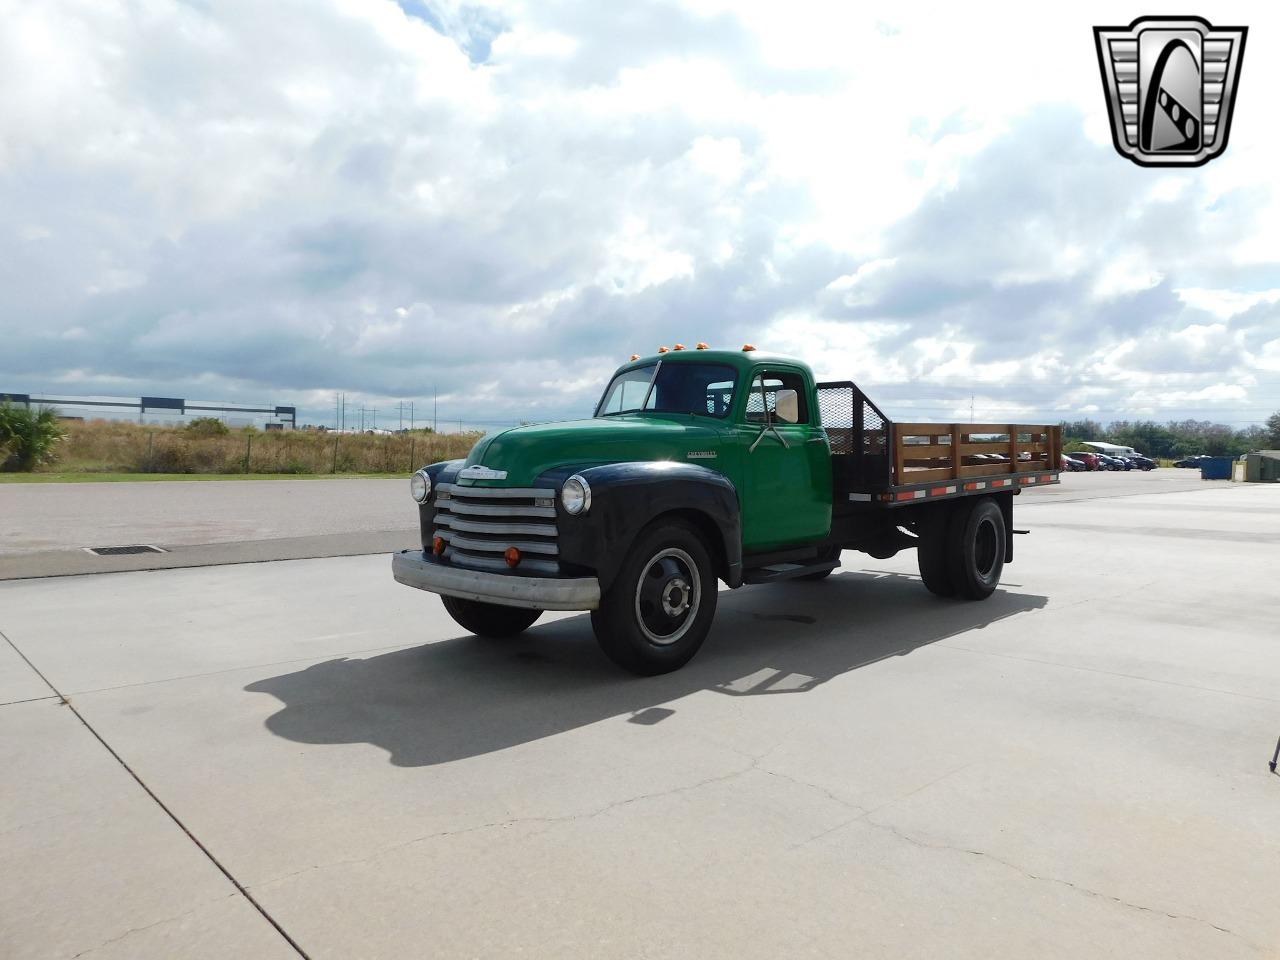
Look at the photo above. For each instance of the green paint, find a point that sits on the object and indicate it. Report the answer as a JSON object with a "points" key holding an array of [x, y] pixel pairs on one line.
{"points": [[785, 491]]}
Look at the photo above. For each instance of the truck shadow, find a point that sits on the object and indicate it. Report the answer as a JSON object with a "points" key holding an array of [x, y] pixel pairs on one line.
{"points": [[467, 696]]}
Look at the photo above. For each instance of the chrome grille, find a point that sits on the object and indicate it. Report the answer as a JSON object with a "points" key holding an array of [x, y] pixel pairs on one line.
{"points": [[478, 524]]}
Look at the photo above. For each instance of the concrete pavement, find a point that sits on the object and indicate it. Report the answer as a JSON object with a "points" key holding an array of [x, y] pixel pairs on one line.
{"points": [[1075, 767]]}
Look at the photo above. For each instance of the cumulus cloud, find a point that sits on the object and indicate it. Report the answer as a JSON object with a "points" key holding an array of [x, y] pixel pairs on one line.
{"points": [[502, 201]]}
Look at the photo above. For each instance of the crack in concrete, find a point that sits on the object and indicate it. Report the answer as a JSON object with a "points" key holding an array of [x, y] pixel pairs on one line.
{"points": [[512, 822], [864, 812], [132, 930], [924, 844]]}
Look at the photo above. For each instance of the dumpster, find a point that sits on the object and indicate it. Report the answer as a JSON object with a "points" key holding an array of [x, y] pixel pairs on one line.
{"points": [[1215, 468], [1262, 467]]}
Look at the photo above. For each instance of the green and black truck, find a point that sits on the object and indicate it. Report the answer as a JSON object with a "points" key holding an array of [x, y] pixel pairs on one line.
{"points": [[702, 466]]}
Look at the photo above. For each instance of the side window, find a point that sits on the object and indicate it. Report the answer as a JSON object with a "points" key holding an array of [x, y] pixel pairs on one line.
{"points": [[759, 400]]}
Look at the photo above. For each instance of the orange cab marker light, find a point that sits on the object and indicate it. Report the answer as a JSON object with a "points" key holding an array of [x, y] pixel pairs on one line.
{"points": [[512, 556], [663, 350], [702, 346], [635, 356], [748, 347], [678, 346], [437, 546]]}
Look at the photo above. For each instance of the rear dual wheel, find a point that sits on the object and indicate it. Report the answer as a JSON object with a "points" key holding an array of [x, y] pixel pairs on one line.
{"points": [[961, 551]]}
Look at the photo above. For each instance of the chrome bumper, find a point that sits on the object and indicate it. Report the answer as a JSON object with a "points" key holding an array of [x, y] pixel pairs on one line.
{"points": [[413, 569]]}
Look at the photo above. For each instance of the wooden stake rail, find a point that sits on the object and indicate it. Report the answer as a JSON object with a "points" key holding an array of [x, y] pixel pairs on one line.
{"points": [[925, 452]]}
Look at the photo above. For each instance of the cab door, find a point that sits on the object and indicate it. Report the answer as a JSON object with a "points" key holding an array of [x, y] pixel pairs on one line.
{"points": [[784, 462]]}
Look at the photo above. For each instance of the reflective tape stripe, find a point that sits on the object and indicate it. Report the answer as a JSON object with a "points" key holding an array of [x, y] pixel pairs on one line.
{"points": [[941, 491]]}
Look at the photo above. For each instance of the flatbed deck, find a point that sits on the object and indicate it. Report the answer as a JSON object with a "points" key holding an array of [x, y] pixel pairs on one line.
{"points": [[878, 461]]}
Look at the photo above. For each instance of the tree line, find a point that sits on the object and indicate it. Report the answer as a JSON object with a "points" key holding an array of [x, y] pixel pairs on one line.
{"points": [[1176, 438]]}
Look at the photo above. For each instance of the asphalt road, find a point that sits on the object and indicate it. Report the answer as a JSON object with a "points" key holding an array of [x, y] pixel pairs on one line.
{"points": [[44, 528], [304, 758]]}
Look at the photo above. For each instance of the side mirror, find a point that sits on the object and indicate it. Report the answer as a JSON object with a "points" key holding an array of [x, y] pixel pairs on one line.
{"points": [[787, 406]]}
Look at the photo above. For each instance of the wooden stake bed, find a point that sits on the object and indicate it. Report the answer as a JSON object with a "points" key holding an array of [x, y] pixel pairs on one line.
{"points": [[878, 461]]}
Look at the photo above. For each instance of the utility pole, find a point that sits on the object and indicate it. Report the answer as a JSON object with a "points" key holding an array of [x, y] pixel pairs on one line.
{"points": [[435, 419], [410, 414], [400, 406], [337, 416], [375, 419]]}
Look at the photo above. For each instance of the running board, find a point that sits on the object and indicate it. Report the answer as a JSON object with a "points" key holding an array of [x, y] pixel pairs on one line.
{"points": [[787, 571]]}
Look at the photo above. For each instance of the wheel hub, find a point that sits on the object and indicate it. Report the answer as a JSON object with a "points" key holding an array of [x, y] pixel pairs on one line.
{"points": [[675, 597], [667, 596]]}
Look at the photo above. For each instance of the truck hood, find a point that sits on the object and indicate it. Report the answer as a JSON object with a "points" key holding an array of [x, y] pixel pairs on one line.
{"points": [[526, 452]]}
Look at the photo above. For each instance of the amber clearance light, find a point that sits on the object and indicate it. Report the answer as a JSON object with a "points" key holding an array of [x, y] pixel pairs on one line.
{"points": [[664, 350], [748, 347], [512, 556], [702, 346], [437, 546]]}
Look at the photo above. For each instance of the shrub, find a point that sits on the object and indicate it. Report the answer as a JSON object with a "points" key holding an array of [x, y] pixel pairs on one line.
{"points": [[202, 427], [27, 437]]}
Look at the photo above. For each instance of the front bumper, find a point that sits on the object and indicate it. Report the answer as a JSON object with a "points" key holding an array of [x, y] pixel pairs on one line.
{"points": [[414, 569]]}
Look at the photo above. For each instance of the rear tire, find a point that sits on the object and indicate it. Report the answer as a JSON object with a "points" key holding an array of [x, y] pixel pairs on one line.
{"points": [[975, 549], [931, 553], [490, 620], [657, 611]]}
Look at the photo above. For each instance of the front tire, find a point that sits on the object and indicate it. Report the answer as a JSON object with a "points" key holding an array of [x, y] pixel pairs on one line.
{"points": [[975, 549], [657, 611], [490, 620]]}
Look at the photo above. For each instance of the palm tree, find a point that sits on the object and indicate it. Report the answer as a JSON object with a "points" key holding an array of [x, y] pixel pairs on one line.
{"points": [[27, 437]]}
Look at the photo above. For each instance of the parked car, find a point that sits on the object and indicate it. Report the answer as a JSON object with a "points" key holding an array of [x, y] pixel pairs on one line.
{"points": [[1192, 462], [1139, 462], [1110, 463], [1071, 464], [1090, 460]]}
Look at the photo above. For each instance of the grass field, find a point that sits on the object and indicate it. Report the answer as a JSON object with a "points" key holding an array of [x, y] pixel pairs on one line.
{"points": [[84, 477], [118, 450]]}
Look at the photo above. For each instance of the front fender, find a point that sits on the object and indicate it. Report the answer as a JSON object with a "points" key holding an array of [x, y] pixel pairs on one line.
{"points": [[626, 497]]}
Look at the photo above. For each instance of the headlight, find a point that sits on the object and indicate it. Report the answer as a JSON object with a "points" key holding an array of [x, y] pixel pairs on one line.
{"points": [[420, 486], [575, 496]]}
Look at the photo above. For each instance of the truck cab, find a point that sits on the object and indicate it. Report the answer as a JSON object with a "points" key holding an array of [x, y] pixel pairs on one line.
{"points": [[697, 466]]}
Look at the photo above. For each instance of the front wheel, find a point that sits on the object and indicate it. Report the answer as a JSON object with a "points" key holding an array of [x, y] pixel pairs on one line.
{"points": [[490, 619], [657, 611]]}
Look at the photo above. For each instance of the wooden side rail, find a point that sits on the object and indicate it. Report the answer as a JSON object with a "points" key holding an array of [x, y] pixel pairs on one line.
{"points": [[925, 452]]}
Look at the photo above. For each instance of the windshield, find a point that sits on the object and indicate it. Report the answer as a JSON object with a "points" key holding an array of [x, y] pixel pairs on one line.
{"points": [[702, 388]]}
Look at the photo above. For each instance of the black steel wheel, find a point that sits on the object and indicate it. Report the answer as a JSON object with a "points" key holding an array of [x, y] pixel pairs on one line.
{"points": [[975, 548], [657, 611], [490, 619]]}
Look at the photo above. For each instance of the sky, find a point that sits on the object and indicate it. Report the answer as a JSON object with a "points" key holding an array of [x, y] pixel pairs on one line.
{"points": [[498, 203]]}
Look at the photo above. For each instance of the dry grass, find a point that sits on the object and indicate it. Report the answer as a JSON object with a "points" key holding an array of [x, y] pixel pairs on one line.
{"points": [[115, 446]]}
